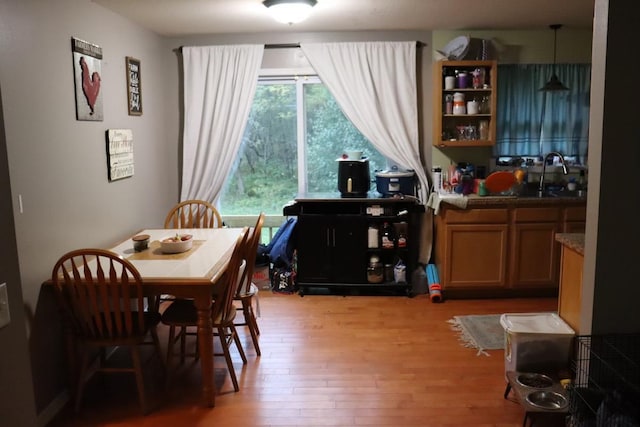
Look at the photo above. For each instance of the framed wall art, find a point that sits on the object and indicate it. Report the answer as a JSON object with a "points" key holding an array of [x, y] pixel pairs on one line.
{"points": [[134, 88], [87, 60], [120, 153]]}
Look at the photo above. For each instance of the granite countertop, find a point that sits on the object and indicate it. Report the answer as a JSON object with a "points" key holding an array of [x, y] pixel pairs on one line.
{"points": [[574, 241], [475, 200]]}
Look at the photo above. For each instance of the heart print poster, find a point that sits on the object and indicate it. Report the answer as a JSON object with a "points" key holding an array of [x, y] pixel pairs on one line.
{"points": [[87, 58]]}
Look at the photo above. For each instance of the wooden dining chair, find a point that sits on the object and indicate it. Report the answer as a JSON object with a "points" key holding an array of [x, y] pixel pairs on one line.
{"points": [[102, 303], [182, 313], [248, 291], [193, 214]]}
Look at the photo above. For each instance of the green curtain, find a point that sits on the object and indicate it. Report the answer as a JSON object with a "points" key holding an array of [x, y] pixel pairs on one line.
{"points": [[531, 122]]}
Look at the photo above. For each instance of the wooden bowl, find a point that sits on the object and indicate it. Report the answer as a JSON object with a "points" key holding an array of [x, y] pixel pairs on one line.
{"points": [[176, 244]]}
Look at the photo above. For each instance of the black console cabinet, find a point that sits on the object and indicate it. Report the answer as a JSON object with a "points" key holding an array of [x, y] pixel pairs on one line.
{"points": [[332, 239]]}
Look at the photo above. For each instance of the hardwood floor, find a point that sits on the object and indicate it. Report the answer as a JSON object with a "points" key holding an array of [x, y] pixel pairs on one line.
{"points": [[333, 361]]}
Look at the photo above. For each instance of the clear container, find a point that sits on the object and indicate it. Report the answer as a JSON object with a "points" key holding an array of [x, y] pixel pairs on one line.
{"points": [[375, 272], [536, 342]]}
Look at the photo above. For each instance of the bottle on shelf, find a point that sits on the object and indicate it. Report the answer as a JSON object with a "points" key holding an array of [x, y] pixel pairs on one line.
{"points": [[401, 234], [582, 180], [373, 237], [388, 238]]}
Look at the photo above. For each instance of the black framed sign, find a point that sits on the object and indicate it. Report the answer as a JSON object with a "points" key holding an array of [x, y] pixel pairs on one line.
{"points": [[134, 87]]}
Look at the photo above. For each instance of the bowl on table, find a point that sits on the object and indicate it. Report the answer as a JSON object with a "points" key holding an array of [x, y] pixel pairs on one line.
{"points": [[176, 244], [140, 242]]}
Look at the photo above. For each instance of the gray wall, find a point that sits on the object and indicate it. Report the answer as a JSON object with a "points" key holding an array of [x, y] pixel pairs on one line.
{"points": [[17, 406], [58, 164]]}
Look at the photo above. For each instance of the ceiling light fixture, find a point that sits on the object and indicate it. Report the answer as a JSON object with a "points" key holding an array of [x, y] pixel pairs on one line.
{"points": [[289, 11], [554, 84]]}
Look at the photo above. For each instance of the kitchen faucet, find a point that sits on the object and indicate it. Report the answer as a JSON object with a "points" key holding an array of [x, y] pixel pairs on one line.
{"points": [[544, 167]]}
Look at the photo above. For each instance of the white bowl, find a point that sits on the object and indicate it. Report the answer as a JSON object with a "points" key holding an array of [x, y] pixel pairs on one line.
{"points": [[353, 155], [169, 245]]}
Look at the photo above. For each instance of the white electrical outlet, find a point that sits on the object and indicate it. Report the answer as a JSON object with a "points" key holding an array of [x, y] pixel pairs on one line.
{"points": [[5, 317]]}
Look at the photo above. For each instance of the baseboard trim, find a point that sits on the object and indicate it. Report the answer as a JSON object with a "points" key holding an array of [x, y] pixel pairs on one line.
{"points": [[52, 409]]}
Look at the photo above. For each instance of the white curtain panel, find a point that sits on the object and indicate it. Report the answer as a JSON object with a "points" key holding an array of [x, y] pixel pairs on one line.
{"points": [[219, 86], [375, 85]]}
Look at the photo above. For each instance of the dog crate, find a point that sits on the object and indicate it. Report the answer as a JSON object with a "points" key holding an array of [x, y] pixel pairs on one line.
{"points": [[605, 390]]}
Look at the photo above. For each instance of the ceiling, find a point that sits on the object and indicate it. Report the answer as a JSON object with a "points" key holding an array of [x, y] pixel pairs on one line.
{"points": [[176, 18]]}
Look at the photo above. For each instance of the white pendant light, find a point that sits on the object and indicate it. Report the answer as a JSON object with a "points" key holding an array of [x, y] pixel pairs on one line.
{"points": [[289, 11], [554, 84]]}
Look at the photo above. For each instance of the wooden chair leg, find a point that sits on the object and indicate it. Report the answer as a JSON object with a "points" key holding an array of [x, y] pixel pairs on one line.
{"points": [[251, 324], [225, 340], [80, 380], [183, 344], [236, 340], [157, 348], [170, 343], [137, 366]]}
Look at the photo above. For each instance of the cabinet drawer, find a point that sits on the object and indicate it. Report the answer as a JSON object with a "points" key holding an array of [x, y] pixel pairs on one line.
{"points": [[536, 215], [475, 216], [575, 213]]}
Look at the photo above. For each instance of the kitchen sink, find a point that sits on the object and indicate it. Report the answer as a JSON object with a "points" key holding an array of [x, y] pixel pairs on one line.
{"points": [[533, 193]]}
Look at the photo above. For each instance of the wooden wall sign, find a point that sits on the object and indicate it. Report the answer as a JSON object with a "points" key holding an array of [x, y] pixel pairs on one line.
{"points": [[119, 153], [87, 58], [134, 88]]}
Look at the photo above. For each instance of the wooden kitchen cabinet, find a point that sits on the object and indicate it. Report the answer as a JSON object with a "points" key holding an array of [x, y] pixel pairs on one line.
{"points": [[471, 249], [570, 295], [502, 248], [534, 252], [575, 219], [446, 125]]}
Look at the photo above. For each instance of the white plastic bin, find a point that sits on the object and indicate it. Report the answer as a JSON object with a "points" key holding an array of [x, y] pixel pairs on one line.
{"points": [[536, 342]]}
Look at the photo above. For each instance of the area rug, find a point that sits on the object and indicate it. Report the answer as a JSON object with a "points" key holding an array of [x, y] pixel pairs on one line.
{"points": [[479, 331]]}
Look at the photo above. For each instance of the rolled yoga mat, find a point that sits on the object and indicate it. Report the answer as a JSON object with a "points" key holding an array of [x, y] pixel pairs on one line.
{"points": [[435, 290]]}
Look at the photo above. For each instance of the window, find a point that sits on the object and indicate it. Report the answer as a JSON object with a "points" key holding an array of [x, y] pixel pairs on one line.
{"points": [[533, 123], [294, 135]]}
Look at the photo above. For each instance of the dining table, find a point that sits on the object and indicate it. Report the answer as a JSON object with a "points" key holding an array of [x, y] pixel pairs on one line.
{"points": [[193, 274]]}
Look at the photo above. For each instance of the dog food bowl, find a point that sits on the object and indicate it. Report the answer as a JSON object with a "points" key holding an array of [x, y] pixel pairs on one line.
{"points": [[549, 400], [534, 380]]}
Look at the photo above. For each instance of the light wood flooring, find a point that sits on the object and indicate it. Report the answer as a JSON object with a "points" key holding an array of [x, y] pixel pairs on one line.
{"points": [[333, 361]]}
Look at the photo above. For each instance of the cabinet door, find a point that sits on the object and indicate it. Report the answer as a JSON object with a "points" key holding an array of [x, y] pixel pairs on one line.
{"points": [[570, 296], [349, 255], [314, 246], [332, 249], [476, 256], [534, 257]]}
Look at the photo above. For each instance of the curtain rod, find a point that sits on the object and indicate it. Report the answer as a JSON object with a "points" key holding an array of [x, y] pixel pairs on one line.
{"points": [[292, 45]]}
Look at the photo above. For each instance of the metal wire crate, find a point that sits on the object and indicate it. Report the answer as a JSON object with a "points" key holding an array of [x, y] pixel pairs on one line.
{"points": [[606, 381]]}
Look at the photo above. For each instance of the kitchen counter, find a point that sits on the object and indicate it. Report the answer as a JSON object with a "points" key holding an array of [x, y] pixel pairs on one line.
{"points": [[574, 241], [473, 200]]}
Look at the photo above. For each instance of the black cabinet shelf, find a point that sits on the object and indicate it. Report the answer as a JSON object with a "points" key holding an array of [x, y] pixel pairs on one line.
{"points": [[332, 242]]}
